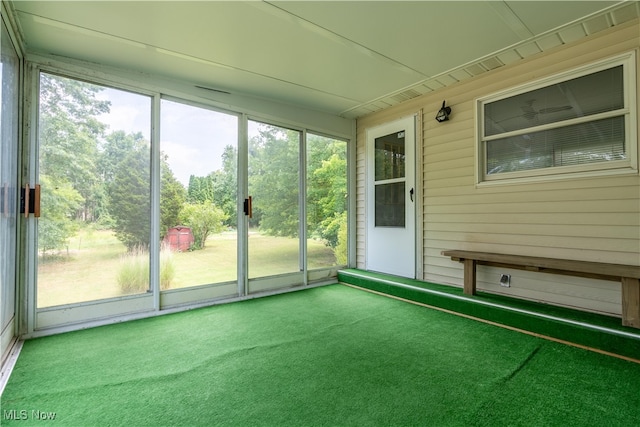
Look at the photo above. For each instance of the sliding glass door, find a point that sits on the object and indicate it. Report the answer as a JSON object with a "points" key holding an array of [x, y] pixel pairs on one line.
{"points": [[298, 188], [94, 160], [140, 209], [198, 202], [9, 129], [274, 187]]}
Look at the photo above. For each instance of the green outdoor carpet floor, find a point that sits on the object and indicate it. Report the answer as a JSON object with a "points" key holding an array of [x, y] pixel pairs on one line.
{"points": [[591, 330], [329, 356]]}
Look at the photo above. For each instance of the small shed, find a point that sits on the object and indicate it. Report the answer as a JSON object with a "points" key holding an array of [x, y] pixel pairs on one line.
{"points": [[178, 238]]}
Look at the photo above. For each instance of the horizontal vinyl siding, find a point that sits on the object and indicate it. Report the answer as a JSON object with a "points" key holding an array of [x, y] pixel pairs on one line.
{"points": [[592, 219]]}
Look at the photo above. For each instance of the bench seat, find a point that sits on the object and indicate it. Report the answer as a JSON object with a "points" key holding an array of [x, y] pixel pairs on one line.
{"points": [[627, 275]]}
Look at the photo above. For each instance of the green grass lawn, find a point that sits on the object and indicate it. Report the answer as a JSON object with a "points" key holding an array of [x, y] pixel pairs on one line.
{"points": [[88, 269]]}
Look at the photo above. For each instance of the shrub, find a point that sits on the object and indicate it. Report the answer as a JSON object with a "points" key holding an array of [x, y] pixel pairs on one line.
{"points": [[204, 219]]}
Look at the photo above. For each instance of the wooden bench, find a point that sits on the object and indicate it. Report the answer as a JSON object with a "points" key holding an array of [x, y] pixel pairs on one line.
{"points": [[627, 275]]}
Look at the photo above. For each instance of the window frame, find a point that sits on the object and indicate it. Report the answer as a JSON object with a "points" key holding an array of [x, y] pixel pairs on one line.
{"points": [[613, 167]]}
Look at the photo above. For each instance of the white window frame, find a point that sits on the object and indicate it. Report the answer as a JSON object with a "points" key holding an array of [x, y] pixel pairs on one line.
{"points": [[614, 167]]}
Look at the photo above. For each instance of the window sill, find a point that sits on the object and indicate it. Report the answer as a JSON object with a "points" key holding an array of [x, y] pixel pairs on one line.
{"points": [[541, 179]]}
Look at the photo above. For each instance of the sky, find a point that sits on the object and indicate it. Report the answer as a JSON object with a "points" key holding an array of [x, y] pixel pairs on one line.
{"points": [[193, 138]]}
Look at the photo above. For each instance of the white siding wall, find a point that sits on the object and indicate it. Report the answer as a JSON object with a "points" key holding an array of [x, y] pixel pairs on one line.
{"points": [[592, 219]]}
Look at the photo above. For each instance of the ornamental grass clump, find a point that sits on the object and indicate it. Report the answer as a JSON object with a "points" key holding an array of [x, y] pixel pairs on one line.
{"points": [[167, 268], [133, 274]]}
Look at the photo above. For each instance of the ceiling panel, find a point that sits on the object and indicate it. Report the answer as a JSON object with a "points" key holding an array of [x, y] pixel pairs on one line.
{"points": [[252, 38], [428, 36], [340, 57], [128, 55]]}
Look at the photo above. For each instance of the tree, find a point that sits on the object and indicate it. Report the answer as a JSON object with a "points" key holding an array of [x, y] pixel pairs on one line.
{"points": [[56, 225], [327, 198], [274, 180], [204, 219], [200, 189], [113, 149], [172, 198], [69, 128], [225, 185], [68, 132], [219, 187], [129, 197], [129, 181]]}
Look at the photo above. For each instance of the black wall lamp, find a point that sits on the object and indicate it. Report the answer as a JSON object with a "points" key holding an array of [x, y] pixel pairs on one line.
{"points": [[443, 113]]}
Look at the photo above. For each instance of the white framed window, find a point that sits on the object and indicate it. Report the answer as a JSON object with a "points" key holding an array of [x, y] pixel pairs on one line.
{"points": [[580, 122]]}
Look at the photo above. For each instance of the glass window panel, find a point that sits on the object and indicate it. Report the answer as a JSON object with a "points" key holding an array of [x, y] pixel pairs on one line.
{"points": [[591, 142], [389, 156], [9, 93], [198, 196], [274, 183], [326, 202], [582, 96], [94, 165], [390, 205]]}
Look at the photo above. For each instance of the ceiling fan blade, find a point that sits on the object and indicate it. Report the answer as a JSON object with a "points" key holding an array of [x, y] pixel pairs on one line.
{"points": [[555, 109]]}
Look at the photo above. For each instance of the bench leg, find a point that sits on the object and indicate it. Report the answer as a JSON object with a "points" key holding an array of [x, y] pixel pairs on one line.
{"points": [[470, 276], [631, 302]]}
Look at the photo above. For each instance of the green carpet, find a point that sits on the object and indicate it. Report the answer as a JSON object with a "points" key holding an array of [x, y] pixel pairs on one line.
{"points": [[328, 356]]}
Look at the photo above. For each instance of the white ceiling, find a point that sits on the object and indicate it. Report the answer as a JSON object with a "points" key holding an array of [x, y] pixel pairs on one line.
{"points": [[346, 58]]}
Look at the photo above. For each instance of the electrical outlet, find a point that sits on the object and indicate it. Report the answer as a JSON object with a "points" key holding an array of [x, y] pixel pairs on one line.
{"points": [[505, 280]]}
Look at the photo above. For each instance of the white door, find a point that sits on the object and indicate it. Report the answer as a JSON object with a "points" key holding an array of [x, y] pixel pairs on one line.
{"points": [[391, 210]]}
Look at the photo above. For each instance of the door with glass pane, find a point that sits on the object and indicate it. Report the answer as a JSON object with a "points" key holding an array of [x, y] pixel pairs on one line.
{"points": [[391, 198], [94, 232]]}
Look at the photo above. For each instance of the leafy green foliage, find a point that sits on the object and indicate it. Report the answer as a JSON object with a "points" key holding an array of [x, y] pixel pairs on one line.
{"points": [[69, 131], [172, 198], [114, 148], [274, 184], [130, 198], [99, 178], [68, 141], [200, 189], [327, 189], [219, 187], [59, 204], [274, 181], [341, 248], [225, 184], [203, 219], [128, 184]]}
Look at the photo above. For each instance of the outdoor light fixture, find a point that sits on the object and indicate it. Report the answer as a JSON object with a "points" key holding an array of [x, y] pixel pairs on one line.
{"points": [[443, 113]]}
